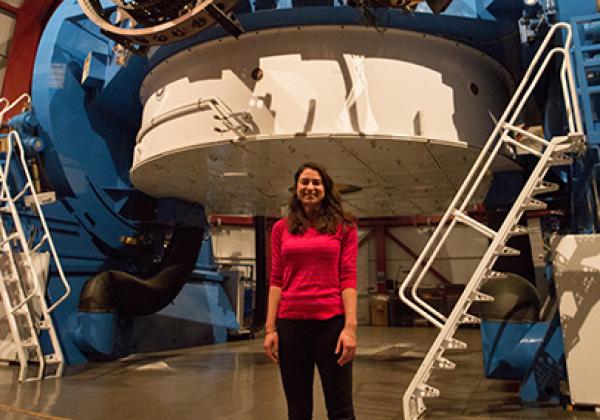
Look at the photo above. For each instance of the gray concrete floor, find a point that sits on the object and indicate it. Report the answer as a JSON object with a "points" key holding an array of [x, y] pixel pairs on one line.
{"points": [[235, 381]]}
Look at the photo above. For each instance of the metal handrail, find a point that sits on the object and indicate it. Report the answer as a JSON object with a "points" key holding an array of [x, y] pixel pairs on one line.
{"points": [[6, 196], [482, 164], [10, 106], [5, 102], [14, 147], [14, 137], [413, 405], [453, 321]]}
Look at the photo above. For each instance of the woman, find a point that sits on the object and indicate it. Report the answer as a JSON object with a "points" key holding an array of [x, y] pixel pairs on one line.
{"points": [[311, 316]]}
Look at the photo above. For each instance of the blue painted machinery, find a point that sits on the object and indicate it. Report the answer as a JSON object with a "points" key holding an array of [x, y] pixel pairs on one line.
{"points": [[123, 250], [127, 254]]}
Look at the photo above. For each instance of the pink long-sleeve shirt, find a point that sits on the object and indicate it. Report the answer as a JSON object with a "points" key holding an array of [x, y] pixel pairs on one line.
{"points": [[312, 269]]}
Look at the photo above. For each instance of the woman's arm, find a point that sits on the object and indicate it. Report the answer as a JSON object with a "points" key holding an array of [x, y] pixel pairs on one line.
{"points": [[347, 340], [271, 343], [349, 298]]}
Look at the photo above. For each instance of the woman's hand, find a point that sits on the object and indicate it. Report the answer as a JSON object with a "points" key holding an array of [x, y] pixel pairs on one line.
{"points": [[347, 345], [271, 346]]}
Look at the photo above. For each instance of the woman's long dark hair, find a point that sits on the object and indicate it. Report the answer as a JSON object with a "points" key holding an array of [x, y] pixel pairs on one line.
{"points": [[331, 213]]}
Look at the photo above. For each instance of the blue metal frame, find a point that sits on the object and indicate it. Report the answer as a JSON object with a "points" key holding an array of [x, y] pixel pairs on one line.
{"points": [[586, 51]]}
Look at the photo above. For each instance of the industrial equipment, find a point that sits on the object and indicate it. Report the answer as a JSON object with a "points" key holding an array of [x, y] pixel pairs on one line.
{"points": [[147, 115]]}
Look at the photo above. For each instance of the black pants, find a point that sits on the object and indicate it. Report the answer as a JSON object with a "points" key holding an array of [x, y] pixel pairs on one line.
{"points": [[302, 344]]}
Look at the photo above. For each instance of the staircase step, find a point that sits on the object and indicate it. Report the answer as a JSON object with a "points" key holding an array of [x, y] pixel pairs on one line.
{"points": [[568, 147], [519, 230], [454, 344], [469, 319], [576, 139], [481, 297], [45, 324], [534, 204], [29, 343], [22, 311], [52, 359], [443, 363], [545, 187], [495, 275], [560, 159], [48, 197], [427, 391], [508, 252]]}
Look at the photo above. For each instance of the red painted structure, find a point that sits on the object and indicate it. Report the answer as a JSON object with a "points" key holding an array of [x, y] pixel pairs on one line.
{"points": [[31, 18]]}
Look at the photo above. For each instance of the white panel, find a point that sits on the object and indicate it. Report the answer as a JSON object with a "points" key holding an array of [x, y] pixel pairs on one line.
{"points": [[357, 82], [577, 278], [392, 114], [233, 242], [233, 249], [7, 27]]}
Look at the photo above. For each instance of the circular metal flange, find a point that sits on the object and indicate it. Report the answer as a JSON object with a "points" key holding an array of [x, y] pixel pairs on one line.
{"points": [[132, 29]]}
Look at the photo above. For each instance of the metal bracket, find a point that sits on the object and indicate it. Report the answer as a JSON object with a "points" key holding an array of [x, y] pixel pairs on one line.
{"points": [[227, 20]]}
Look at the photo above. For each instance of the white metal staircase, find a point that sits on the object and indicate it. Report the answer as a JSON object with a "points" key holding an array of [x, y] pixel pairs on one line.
{"points": [[21, 288], [554, 152]]}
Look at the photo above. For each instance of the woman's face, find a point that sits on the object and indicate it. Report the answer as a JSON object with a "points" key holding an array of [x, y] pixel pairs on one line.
{"points": [[310, 189]]}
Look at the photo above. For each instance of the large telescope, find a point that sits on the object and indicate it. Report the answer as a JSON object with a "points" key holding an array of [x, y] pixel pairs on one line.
{"points": [[138, 24]]}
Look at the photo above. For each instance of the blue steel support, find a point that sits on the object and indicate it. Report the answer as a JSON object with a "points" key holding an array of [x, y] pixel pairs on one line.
{"points": [[542, 380], [509, 347], [586, 51], [567, 9]]}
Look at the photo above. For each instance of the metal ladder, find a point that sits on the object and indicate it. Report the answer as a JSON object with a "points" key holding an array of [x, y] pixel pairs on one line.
{"points": [[21, 289], [505, 135]]}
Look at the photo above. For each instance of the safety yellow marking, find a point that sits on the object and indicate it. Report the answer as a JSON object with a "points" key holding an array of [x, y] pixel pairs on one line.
{"points": [[4, 407]]}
